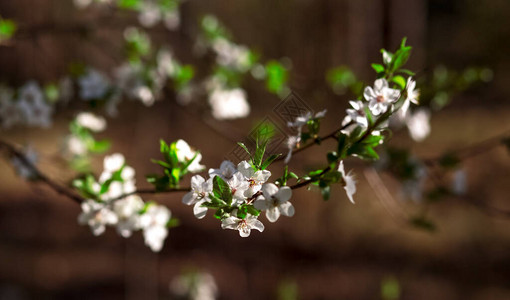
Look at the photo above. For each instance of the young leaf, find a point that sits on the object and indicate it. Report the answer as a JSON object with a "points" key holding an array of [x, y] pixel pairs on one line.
{"points": [[378, 68], [269, 161], [222, 190], [400, 81]]}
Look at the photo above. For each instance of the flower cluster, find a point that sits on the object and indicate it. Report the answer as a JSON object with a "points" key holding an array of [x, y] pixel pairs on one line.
{"points": [[106, 205], [238, 194], [29, 108]]}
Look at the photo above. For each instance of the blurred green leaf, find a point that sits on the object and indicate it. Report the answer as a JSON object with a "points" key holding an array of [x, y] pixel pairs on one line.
{"points": [[7, 29]]}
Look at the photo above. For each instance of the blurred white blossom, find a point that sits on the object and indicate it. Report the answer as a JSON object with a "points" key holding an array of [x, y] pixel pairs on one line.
{"points": [[91, 121], [154, 224], [229, 104]]}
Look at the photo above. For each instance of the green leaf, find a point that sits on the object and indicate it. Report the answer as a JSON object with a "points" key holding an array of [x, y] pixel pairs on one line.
{"points": [[7, 29], [242, 145], [252, 210], [407, 72], [378, 68], [222, 190], [363, 152], [276, 76], [99, 146], [342, 143], [219, 214], [259, 153], [172, 223], [129, 4], [400, 81], [269, 161], [373, 140]]}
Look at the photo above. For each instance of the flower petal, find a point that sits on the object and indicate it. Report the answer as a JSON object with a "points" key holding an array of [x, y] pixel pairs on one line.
{"points": [[198, 210], [269, 189], [287, 209], [189, 198], [284, 194], [273, 214]]}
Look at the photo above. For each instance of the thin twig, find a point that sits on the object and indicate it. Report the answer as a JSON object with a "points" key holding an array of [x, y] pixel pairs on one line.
{"points": [[39, 175]]}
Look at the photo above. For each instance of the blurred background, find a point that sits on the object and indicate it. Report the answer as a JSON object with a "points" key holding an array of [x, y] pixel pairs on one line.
{"points": [[328, 250]]}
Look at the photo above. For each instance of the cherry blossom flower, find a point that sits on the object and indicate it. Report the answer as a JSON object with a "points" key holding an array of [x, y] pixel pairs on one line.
{"points": [[93, 85], [254, 178], [200, 189], [154, 224], [226, 171], [229, 104], [292, 142], [380, 97], [91, 121], [113, 162], [34, 108], [356, 114], [75, 146], [418, 124], [298, 124], [195, 286], [412, 95], [275, 201], [97, 216], [239, 186], [185, 154], [243, 225], [127, 210], [347, 181], [459, 183]]}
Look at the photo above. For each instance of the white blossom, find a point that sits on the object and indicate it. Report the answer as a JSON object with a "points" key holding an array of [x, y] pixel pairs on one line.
{"points": [[127, 210], [229, 104], [195, 286], [380, 97], [172, 19], [93, 85], [459, 184], [34, 108], [226, 171], [347, 181], [275, 201], [97, 216], [356, 114], [231, 55], [239, 186], [154, 224], [412, 95], [185, 154], [254, 178], [113, 162], [298, 124], [292, 142], [91, 121], [243, 225], [418, 124], [76, 146], [200, 189]]}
